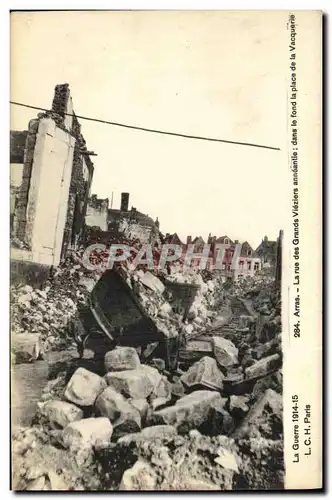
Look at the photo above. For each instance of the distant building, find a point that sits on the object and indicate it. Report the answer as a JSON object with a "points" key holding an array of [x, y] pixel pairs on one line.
{"points": [[172, 239], [132, 223], [97, 213], [224, 240], [198, 243], [249, 262], [247, 250], [267, 252]]}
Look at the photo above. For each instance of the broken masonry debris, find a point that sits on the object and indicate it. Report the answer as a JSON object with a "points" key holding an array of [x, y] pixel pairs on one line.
{"points": [[173, 386]]}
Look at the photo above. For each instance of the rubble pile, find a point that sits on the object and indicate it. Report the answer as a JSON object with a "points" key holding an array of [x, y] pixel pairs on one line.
{"points": [[172, 315], [250, 286], [49, 312], [133, 230], [138, 428], [214, 422], [41, 465], [149, 291], [37, 312]]}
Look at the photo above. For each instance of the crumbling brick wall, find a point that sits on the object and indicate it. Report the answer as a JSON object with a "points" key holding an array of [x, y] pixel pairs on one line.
{"points": [[78, 199], [23, 197], [17, 145], [80, 181], [81, 177], [60, 99], [17, 148]]}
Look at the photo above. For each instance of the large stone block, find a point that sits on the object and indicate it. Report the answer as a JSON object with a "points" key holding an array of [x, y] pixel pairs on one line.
{"points": [[152, 373], [263, 366], [124, 416], [81, 436], [109, 403], [121, 358], [136, 384], [225, 352], [84, 387], [189, 412], [152, 282], [204, 372], [60, 413], [26, 347]]}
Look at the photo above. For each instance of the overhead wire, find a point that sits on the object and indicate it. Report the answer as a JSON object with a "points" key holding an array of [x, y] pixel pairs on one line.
{"points": [[155, 131]]}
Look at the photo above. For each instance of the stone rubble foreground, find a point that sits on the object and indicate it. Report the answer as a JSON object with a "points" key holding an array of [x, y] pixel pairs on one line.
{"points": [[214, 423]]}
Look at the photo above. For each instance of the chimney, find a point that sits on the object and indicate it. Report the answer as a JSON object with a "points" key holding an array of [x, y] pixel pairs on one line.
{"points": [[236, 242], [188, 240], [124, 202], [60, 99]]}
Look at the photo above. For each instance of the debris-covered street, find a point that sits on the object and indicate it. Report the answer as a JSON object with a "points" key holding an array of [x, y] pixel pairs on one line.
{"points": [[165, 251], [140, 360], [189, 400]]}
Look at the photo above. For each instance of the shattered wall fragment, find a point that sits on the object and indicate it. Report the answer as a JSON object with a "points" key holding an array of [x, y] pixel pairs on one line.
{"points": [[56, 179]]}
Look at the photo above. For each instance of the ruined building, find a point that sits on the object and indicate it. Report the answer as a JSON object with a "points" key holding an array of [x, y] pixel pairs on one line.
{"points": [[140, 225], [97, 213], [249, 261], [51, 175], [106, 224], [267, 251]]}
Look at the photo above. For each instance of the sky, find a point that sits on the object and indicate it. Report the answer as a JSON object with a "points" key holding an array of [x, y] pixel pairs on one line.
{"points": [[220, 74]]}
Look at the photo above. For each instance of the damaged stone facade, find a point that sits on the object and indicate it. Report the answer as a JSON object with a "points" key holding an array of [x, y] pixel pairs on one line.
{"points": [[82, 171], [97, 212], [267, 251], [131, 223], [249, 261], [56, 179], [17, 148], [106, 225]]}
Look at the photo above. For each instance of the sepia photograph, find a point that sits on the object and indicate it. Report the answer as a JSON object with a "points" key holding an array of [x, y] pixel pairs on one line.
{"points": [[157, 280]]}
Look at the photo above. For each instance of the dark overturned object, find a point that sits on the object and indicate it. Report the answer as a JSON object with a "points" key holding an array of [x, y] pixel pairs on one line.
{"points": [[115, 317]]}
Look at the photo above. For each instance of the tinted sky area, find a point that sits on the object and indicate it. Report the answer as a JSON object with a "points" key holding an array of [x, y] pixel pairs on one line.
{"points": [[215, 74]]}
